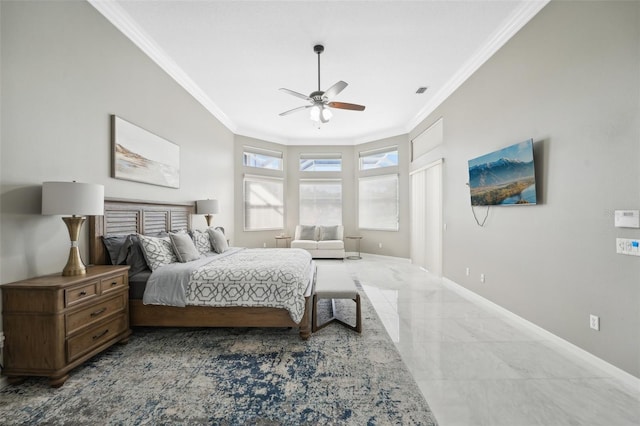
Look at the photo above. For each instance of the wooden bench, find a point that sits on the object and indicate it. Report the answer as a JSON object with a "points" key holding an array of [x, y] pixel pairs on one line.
{"points": [[333, 282]]}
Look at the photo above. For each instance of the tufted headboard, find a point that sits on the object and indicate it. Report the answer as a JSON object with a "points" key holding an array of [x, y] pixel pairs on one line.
{"points": [[131, 217]]}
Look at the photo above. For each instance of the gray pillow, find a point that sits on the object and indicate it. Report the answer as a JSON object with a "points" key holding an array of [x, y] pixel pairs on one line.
{"points": [[184, 248], [328, 233], [134, 256], [218, 240], [307, 232], [117, 246]]}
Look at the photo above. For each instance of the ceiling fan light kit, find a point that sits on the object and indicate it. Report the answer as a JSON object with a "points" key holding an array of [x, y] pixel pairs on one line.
{"points": [[320, 104]]}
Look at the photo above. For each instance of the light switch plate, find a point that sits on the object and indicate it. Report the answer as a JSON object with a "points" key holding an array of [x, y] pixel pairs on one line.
{"points": [[628, 246]]}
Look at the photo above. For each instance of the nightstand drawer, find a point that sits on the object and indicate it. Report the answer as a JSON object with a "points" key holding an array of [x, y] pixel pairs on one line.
{"points": [[93, 314], [78, 294], [83, 343], [113, 283]]}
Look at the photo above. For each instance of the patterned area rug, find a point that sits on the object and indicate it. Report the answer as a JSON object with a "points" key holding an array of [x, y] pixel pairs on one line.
{"points": [[233, 376]]}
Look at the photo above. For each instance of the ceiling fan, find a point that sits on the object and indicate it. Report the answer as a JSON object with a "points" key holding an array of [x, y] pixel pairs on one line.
{"points": [[321, 101]]}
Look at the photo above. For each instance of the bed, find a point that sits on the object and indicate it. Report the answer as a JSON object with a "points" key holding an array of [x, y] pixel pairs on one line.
{"points": [[123, 217]]}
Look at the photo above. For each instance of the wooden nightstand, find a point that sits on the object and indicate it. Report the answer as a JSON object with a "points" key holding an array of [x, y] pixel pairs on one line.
{"points": [[53, 323]]}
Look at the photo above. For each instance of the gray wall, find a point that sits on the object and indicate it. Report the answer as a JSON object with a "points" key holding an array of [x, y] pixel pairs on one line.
{"points": [[393, 243], [570, 80], [65, 69]]}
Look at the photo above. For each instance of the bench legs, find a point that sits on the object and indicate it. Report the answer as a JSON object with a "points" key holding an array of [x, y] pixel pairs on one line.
{"points": [[358, 327]]}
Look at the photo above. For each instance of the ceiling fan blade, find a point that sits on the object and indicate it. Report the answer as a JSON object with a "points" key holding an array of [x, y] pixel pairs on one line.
{"points": [[344, 105], [295, 109], [296, 94], [335, 89]]}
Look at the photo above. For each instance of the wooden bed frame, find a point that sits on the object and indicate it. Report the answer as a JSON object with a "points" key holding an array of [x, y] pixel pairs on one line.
{"points": [[144, 217]]}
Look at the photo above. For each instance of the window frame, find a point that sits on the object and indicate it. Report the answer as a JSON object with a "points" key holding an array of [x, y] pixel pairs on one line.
{"points": [[374, 152], [319, 157], [248, 151]]}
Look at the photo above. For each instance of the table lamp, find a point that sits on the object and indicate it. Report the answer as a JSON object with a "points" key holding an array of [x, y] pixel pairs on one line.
{"points": [[208, 208], [78, 200]]}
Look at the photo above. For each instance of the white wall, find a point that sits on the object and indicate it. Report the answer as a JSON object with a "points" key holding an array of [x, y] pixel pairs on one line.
{"points": [[570, 80], [394, 243], [65, 69]]}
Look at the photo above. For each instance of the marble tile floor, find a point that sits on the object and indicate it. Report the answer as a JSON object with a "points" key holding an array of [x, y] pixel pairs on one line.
{"points": [[477, 367]]}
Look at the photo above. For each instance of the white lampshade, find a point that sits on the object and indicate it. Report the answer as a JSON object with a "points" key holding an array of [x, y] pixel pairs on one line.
{"points": [[72, 198], [207, 206]]}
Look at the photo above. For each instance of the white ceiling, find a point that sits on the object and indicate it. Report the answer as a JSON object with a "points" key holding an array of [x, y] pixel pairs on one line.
{"points": [[233, 56]]}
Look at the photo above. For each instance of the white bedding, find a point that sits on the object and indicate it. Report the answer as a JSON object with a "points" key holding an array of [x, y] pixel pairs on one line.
{"points": [[276, 278]]}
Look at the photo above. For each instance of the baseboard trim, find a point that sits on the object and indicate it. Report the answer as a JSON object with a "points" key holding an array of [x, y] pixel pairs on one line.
{"points": [[627, 379], [382, 256]]}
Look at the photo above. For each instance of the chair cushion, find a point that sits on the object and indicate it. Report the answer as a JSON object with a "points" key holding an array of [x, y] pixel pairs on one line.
{"points": [[304, 244], [331, 245], [334, 281]]}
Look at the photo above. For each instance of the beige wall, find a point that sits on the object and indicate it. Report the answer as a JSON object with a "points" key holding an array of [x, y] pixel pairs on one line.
{"points": [[65, 69], [570, 80]]}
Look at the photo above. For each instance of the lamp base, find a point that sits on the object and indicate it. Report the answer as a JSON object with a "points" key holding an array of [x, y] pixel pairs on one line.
{"points": [[74, 265], [209, 218]]}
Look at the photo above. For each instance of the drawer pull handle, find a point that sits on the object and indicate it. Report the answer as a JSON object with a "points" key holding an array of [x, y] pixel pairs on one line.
{"points": [[83, 293], [98, 312], [97, 336], [114, 283]]}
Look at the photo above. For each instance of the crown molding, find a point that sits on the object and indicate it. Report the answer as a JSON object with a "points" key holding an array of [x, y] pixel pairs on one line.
{"points": [[371, 137], [518, 19], [123, 22]]}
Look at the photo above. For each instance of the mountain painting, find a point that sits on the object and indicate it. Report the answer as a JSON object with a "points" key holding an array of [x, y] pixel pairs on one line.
{"points": [[141, 156], [504, 177]]}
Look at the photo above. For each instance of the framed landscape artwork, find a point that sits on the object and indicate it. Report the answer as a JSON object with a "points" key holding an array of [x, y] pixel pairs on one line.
{"points": [[139, 155]]}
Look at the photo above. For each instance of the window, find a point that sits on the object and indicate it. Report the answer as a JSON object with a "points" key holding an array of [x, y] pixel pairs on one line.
{"points": [[385, 157], [321, 202], [378, 202], [262, 158], [263, 203], [320, 162]]}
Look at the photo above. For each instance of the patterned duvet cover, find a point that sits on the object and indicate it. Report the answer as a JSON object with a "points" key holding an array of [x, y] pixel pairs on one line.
{"points": [[276, 278]]}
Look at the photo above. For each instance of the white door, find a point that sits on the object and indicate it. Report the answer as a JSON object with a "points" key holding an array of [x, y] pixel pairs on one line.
{"points": [[433, 219], [426, 218], [418, 219]]}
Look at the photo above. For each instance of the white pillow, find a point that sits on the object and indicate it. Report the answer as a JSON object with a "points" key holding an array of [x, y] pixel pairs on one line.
{"points": [[157, 250]]}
